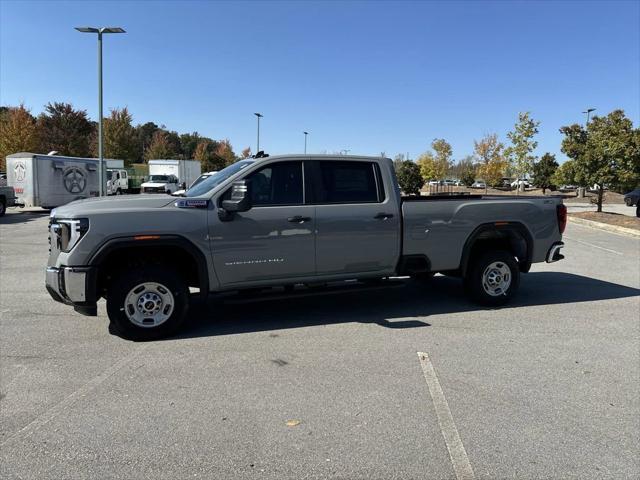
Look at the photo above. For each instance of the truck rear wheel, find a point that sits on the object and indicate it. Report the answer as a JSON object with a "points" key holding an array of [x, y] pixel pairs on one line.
{"points": [[147, 303], [493, 278]]}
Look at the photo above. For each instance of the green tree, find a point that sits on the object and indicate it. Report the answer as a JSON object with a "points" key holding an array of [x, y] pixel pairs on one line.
{"points": [[565, 174], [409, 177], [189, 142], [17, 133], [160, 147], [543, 171], [467, 170], [120, 138], [489, 151], [607, 152], [520, 152], [145, 136], [65, 130]]}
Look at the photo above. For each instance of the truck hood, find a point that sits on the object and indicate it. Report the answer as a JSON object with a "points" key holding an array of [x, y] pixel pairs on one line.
{"points": [[111, 204]]}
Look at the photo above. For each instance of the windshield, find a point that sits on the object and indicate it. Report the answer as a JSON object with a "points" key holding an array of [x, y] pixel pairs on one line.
{"points": [[200, 179], [217, 178], [158, 178]]}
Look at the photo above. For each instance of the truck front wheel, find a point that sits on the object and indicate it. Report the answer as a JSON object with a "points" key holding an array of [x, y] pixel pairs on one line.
{"points": [[147, 303], [493, 278]]}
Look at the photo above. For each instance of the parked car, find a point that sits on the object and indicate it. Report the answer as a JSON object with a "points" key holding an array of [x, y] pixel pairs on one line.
{"points": [[434, 183], [7, 199], [520, 182], [567, 188], [478, 184], [633, 198], [287, 220], [160, 184], [204, 176]]}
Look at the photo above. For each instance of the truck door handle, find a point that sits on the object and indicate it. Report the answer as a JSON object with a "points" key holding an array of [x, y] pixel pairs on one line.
{"points": [[383, 216], [298, 219]]}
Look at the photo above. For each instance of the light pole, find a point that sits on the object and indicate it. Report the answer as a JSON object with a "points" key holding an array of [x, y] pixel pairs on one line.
{"points": [[305, 142], [100, 31], [259, 115], [588, 112]]}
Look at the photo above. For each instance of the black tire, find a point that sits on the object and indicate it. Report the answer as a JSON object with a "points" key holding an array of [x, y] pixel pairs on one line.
{"points": [[123, 284], [118, 192], [475, 278], [629, 202], [638, 209], [3, 207]]}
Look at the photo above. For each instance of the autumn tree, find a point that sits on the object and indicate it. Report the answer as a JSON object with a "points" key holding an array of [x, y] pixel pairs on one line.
{"points": [[520, 153], [607, 152], [409, 177], [120, 138], [224, 150], [435, 165], [465, 170], [246, 153], [489, 151], [543, 171], [17, 133], [160, 147], [66, 130]]}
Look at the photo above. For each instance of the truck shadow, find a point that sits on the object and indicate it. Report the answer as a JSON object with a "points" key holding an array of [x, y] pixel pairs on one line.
{"points": [[394, 306], [15, 216]]}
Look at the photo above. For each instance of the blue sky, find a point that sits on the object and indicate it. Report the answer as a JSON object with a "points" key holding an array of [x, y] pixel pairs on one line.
{"points": [[363, 76]]}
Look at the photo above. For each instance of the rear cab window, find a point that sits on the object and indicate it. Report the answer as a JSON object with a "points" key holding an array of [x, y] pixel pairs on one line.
{"points": [[348, 182]]}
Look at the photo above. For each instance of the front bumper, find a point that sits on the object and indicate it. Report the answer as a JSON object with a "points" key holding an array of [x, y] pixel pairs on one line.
{"points": [[553, 255], [73, 286]]}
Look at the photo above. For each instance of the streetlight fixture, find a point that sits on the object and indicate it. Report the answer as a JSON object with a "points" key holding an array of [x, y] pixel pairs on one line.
{"points": [[100, 31], [305, 142], [588, 112], [259, 115]]}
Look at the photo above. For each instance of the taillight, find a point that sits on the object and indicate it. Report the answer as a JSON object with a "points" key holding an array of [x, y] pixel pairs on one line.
{"points": [[561, 211]]}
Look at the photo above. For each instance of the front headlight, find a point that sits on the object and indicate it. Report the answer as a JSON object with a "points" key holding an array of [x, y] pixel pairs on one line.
{"points": [[68, 232]]}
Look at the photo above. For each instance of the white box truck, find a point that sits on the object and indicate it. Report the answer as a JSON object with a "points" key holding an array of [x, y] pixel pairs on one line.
{"points": [[49, 181], [167, 176]]}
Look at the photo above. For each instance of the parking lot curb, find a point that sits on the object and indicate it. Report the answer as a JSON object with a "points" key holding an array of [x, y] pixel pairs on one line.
{"points": [[605, 226]]}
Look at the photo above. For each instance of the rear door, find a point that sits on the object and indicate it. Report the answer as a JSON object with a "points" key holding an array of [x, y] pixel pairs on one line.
{"points": [[357, 222], [274, 239]]}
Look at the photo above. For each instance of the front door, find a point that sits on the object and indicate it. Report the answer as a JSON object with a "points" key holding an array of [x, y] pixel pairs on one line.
{"points": [[273, 240]]}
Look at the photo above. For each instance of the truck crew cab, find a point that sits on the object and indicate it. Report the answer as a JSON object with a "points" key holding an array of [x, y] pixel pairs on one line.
{"points": [[286, 220]]}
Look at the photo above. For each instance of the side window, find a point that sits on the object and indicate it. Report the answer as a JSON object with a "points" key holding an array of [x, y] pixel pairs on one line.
{"points": [[277, 184], [124, 174], [348, 182]]}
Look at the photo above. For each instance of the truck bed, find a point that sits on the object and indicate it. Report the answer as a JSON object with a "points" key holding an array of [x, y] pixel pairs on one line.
{"points": [[441, 224]]}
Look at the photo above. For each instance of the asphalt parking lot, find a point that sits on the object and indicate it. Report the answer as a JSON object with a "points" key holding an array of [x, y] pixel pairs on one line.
{"points": [[331, 386]]}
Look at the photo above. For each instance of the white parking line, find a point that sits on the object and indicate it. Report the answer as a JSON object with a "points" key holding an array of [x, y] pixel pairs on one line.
{"points": [[67, 402], [592, 245], [457, 453]]}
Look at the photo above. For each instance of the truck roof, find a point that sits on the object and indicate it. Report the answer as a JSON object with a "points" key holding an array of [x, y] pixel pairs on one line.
{"points": [[309, 156]]}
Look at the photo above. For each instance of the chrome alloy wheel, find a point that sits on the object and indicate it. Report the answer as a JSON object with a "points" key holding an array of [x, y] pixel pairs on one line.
{"points": [[149, 304], [496, 279]]}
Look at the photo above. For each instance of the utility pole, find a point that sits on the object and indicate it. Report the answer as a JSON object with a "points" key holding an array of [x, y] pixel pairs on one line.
{"points": [[305, 142], [588, 112]]}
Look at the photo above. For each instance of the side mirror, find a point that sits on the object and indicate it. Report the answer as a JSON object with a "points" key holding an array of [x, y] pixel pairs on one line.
{"points": [[240, 200]]}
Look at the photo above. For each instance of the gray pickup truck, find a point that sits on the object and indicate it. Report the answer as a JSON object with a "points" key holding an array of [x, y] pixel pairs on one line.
{"points": [[284, 221]]}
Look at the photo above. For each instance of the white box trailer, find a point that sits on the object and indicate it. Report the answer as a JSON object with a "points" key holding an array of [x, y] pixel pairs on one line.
{"points": [[52, 180], [186, 170]]}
